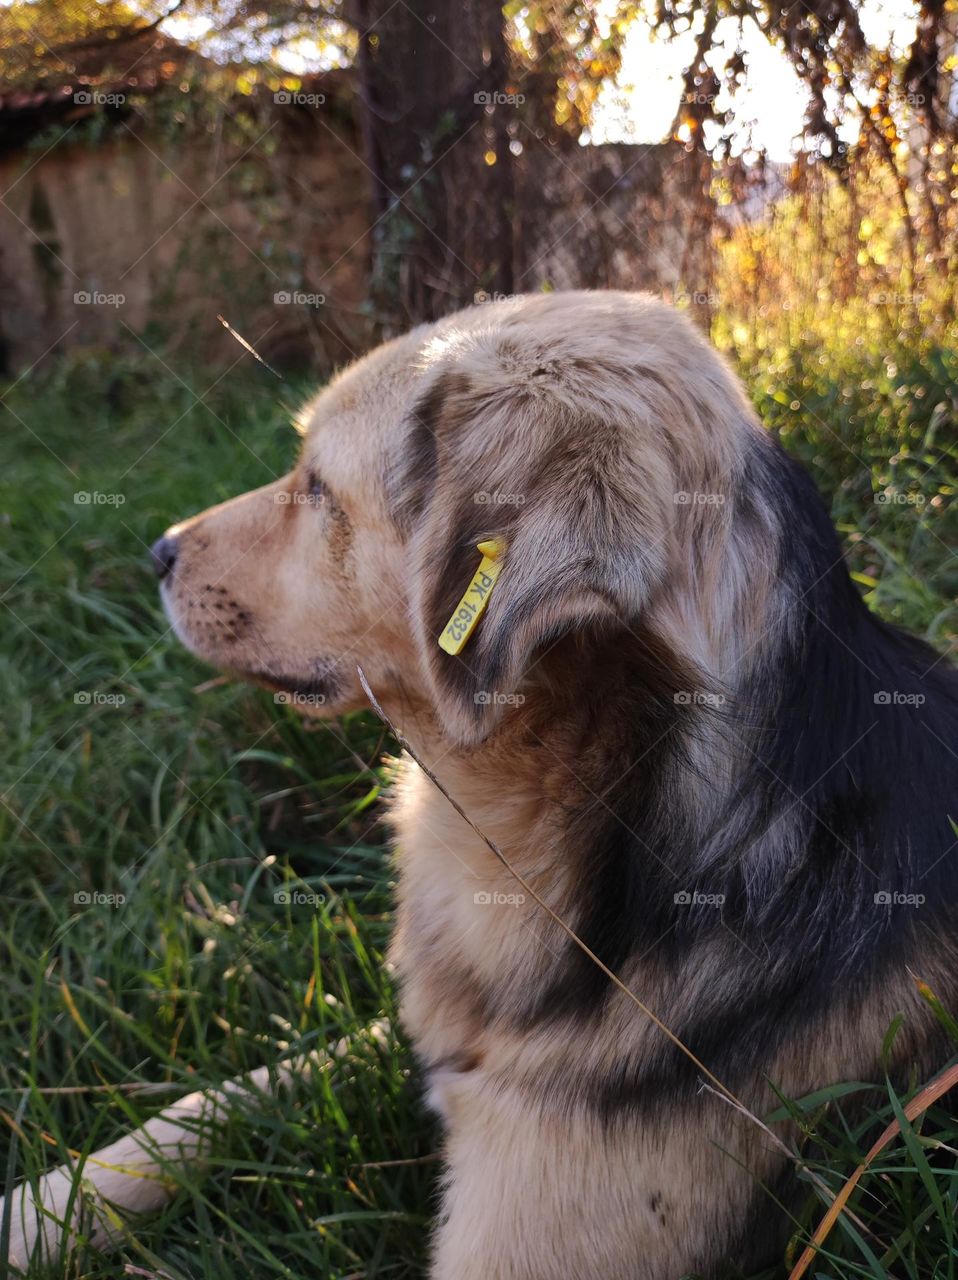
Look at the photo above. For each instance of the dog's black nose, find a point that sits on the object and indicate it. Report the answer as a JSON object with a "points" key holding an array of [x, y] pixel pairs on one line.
{"points": [[163, 555]]}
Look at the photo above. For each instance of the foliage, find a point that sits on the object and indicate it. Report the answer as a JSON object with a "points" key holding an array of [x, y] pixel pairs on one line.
{"points": [[44, 41], [853, 363]]}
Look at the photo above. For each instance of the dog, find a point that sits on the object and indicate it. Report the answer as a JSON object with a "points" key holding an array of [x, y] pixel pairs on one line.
{"points": [[612, 616], [674, 713]]}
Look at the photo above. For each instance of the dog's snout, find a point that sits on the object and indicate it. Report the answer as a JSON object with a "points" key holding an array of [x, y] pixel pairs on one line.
{"points": [[163, 555]]}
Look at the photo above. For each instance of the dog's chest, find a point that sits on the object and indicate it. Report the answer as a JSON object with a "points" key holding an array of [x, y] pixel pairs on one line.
{"points": [[470, 944]]}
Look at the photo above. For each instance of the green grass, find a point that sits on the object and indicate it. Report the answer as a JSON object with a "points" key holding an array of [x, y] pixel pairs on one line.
{"points": [[198, 801], [197, 806]]}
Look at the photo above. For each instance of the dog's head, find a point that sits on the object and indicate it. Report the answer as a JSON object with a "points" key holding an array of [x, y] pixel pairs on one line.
{"points": [[597, 436]]}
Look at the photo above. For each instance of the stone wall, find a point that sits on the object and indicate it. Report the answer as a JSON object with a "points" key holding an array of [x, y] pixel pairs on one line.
{"points": [[619, 216], [140, 234]]}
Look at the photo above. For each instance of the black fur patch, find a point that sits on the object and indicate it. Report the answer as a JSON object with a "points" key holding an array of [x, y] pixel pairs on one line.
{"points": [[410, 483]]}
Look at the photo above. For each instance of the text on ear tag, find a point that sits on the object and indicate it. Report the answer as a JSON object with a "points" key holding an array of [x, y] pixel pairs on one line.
{"points": [[469, 609]]}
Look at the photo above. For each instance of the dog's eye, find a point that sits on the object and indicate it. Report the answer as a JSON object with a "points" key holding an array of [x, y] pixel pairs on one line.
{"points": [[315, 488]]}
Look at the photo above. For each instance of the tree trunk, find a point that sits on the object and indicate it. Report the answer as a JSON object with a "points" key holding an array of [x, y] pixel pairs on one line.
{"points": [[433, 88]]}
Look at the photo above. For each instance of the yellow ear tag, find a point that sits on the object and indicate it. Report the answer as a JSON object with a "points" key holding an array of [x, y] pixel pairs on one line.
{"points": [[469, 609]]}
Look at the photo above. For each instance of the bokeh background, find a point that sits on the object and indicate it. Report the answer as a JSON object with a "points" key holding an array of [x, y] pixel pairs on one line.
{"points": [[205, 208]]}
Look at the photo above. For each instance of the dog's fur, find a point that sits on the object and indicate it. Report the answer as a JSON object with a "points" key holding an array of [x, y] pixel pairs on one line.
{"points": [[677, 719]]}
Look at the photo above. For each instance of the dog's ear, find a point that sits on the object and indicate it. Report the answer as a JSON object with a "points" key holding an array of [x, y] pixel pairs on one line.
{"points": [[584, 526]]}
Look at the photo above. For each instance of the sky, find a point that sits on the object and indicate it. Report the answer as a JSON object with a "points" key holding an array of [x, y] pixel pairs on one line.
{"points": [[770, 107]]}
